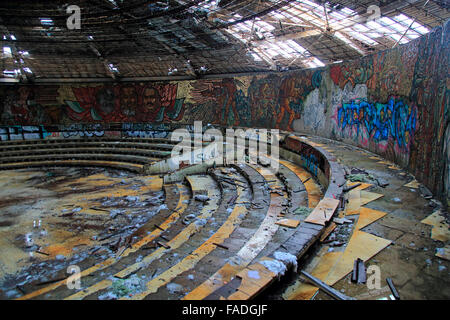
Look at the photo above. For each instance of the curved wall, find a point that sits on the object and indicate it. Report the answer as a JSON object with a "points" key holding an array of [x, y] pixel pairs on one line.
{"points": [[394, 103]]}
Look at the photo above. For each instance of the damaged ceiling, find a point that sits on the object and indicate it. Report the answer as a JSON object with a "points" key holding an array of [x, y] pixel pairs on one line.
{"points": [[175, 39]]}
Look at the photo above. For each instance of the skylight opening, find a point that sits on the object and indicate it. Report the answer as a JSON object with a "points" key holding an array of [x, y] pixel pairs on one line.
{"points": [[412, 35], [348, 11], [277, 15], [286, 47], [311, 4], [296, 46], [378, 27], [265, 26], [271, 52], [281, 50], [360, 27], [362, 37], [343, 22], [419, 28], [243, 27], [314, 63], [349, 42]]}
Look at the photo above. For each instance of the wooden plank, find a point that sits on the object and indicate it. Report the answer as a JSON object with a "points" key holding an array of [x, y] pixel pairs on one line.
{"points": [[440, 229], [367, 197], [327, 231], [368, 216], [323, 212], [290, 223]]}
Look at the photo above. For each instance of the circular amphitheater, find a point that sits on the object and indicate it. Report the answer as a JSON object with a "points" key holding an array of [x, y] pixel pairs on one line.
{"points": [[209, 232], [117, 180]]}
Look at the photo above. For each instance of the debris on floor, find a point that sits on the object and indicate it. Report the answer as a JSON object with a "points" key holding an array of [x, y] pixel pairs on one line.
{"points": [[440, 230]]}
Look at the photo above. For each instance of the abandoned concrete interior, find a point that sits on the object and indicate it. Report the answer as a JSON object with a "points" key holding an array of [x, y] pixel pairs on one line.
{"points": [[224, 150]]}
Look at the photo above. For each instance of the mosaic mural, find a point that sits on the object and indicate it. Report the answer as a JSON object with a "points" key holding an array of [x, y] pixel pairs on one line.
{"points": [[394, 103]]}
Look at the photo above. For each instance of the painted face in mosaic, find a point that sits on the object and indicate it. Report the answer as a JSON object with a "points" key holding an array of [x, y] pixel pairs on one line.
{"points": [[151, 100], [128, 100], [105, 99]]}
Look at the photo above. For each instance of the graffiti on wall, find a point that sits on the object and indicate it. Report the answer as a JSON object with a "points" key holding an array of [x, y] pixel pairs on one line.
{"points": [[394, 120], [363, 96], [18, 132]]}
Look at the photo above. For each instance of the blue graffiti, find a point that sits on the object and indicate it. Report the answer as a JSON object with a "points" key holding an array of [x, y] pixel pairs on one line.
{"points": [[310, 163], [18, 132], [394, 119]]}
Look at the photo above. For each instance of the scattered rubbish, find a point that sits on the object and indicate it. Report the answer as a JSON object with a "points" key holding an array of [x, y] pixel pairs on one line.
{"points": [[336, 244], [201, 197], [303, 210], [60, 257], [393, 289], [425, 192], [44, 253], [440, 230], [174, 288], [277, 267], [342, 220], [115, 212], [127, 287], [443, 253], [413, 184], [347, 189], [107, 296], [359, 272], [220, 245], [359, 175], [163, 245], [382, 183], [326, 288], [200, 222], [397, 200], [43, 283], [287, 258]]}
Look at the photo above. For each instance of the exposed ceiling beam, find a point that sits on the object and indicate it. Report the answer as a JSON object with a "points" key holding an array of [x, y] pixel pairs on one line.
{"points": [[15, 54]]}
